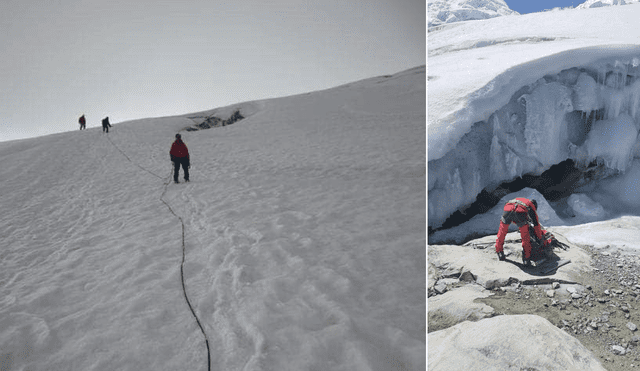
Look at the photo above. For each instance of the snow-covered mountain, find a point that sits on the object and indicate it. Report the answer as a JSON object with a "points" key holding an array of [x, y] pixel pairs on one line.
{"points": [[600, 3], [299, 242], [540, 99], [449, 11]]}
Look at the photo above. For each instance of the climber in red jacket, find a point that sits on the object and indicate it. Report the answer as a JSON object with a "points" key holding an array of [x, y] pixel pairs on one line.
{"points": [[522, 212], [180, 156]]}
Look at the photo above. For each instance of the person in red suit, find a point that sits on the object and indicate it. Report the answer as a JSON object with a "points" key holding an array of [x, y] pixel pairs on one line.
{"points": [[522, 212], [180, 157]]}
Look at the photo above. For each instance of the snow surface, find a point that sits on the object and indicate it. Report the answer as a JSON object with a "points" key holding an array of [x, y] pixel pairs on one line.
{"points": [[600, 3], [515, 95], [449, 11], [304, 229], [618, 234]]}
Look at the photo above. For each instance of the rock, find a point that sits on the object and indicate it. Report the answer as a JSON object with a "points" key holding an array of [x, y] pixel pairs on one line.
{"points": [[575, 295], [451, 272], [555, 285], [606, 292], [432, 278], [632, 326], [518, 342], [467, 276], [571, 290], [635, 339], [618, 350], [551, 293], [440, 287], [594, 325], [449, 281], [617, 291], [458, 305], [492, 273], [491, 283]]}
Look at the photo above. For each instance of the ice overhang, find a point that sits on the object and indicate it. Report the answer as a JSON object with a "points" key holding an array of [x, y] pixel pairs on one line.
{"points": [[467, 87]]}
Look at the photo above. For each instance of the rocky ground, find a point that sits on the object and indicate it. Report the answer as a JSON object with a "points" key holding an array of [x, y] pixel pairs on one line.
{"points": [[599, 306]]}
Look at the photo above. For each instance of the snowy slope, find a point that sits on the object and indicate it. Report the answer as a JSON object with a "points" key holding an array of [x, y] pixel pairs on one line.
{"points": [[600, 3], [304, 236], [449, 11], [516, 95]]}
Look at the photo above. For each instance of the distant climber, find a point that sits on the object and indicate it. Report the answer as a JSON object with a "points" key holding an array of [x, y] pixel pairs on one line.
{"points": [[82, 122], [522, 212], [105, 124], [179, 156]]}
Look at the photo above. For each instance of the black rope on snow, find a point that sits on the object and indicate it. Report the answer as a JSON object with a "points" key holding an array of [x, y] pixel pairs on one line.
{"points": [[125, 155], [184, 288]]}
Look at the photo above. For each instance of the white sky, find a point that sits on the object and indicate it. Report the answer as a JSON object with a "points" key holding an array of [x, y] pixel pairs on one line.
{"points": [[138, 59]]}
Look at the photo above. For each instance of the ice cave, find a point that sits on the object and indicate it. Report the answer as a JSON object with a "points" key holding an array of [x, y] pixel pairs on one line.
{"points": [[572, 136]]}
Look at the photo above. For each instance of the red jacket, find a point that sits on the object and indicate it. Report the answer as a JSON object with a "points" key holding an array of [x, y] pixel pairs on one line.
{"points": [[524, 230], [179, 150], [521, 209]]}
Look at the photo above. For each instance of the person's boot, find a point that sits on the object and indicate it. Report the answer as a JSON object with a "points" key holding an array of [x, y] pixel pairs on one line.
{"points": [[501, 256]]}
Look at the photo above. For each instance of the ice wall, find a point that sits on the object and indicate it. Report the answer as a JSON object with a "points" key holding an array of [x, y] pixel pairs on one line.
{"points": [[588, 113]]}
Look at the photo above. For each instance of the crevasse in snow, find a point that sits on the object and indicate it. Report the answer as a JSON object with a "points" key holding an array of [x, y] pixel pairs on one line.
{"points": [[590, 114]]}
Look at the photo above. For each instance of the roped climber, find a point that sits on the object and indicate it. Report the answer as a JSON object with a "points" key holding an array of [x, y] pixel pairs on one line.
{"points": [[180, 157], [522, 212]]}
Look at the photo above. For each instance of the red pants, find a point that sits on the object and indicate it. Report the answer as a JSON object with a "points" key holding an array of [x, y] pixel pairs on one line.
{"points": [[524, 234]]}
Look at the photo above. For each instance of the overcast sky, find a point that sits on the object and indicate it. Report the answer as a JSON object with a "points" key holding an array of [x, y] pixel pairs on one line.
{"points": [[130, 59]]}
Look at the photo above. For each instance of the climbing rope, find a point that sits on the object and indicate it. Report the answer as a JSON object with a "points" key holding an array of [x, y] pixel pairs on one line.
{"points": [[184, 288]]}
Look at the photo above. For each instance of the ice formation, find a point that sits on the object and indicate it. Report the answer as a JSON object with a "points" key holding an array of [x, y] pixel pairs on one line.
{"points": [[589, 114], [583, 206], [449, 11], [600, 3], [488, 223]]}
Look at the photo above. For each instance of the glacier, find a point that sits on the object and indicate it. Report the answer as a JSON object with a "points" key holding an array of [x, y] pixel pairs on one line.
{"points": [[449, 11], [511, 97], [298, 243]]}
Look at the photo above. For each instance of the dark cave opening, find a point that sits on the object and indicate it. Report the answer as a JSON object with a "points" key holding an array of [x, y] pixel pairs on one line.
{"points": [[556, 183]]}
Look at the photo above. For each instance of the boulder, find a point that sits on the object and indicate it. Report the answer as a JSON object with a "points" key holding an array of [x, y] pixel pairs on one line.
{"points": [[491, 273], [519, 342]]}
